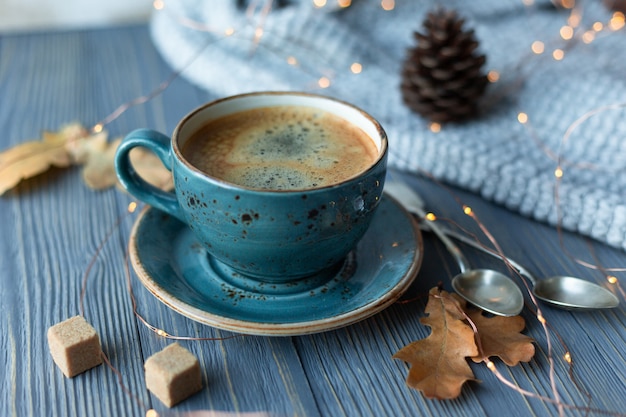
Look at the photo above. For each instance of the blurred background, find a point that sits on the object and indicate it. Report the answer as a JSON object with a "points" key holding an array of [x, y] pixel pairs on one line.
{"points": [[29, 15]]}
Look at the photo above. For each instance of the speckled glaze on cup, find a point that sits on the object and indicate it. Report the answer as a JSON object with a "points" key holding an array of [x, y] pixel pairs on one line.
{"points": [[276, 237]]}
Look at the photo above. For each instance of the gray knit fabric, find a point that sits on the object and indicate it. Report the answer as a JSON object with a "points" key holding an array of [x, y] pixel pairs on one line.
{"points": [[494, 155]]}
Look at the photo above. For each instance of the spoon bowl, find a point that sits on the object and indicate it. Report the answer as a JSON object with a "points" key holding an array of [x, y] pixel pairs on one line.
{"points": [[487, 289], [572, 293], [569, 293], [495, 292], [490, 290]]}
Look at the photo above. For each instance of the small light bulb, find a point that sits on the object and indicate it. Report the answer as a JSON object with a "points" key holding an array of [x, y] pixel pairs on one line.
{"points": [[537, 47], [493, 76], [574, 20], [617, 21], [430, 217], [467, 210], [567, 32], [522, 118], [558, 54], [323, 82], [388, 5], [435, 127], [612, 279], [589, 36], [132, 207], [558, 173], [567, 357], [356, 68], [98, 128], [158, 4], [292, 60]]}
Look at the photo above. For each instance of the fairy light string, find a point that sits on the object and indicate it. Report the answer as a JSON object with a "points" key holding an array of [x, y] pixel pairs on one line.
{"points": [[256, 17], [538, 47], [570, 35], [548, 330], [158, 331], [559, 174], [491, 366], [537, 310], [132, 207], [610, 278]]}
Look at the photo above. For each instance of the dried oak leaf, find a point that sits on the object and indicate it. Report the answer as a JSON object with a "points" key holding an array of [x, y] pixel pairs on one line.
{"points": [[99, 170], [35, 157], [501, 337], [74, 145], [151, 169], [98, 156], [438, 363]]}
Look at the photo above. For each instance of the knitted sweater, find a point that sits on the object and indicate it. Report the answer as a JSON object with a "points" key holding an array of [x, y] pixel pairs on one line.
{"points": [[493, 154]]}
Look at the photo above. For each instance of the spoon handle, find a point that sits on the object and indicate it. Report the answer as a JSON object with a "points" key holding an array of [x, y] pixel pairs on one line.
{"points": [[461, 238], [414, 204]]}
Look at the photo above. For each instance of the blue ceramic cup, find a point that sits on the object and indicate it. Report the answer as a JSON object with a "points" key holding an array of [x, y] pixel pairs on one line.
{"points": [[274, 236]]}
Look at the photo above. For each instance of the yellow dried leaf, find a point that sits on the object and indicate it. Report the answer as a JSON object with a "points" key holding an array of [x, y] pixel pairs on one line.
{"points": [[82, 149], [66, 134], [99, 170], [151, 169], [35, 157], [30, 159], [72, 144]]}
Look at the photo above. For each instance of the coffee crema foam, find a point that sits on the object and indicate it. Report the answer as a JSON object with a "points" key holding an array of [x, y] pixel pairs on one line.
{"points": [[281, 148]]}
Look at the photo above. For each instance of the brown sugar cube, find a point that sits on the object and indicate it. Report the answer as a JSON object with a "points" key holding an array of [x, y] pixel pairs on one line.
{"points": [[173, 374], [74, 346]]}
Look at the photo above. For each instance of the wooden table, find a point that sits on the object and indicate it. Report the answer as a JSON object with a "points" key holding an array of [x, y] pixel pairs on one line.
{"points": [[53, 226]]}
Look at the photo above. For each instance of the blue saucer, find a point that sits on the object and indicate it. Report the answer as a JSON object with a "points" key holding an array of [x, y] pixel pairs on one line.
{"points": [[175, 268]]}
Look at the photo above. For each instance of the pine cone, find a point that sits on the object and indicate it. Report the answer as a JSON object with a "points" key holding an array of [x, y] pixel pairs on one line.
{"points": [[442, 78]]}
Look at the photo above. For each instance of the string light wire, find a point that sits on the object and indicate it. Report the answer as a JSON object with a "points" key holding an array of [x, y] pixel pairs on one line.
{"points": [[570, 37], [559, 175]]}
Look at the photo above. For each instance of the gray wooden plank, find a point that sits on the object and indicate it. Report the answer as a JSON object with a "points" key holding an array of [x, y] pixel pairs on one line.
{"points": [[51, 226], [59, 224]]}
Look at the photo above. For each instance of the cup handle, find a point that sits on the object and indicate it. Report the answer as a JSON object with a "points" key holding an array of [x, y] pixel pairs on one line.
{"points": [[137, 186]]}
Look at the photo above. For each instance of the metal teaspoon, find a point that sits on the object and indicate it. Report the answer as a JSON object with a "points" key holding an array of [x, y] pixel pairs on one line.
{"points": [[488, 289], [565, 292]]}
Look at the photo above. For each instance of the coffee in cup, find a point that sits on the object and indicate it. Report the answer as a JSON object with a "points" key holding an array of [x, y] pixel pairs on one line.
{"points": [[277, 187], [281, 148]]}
